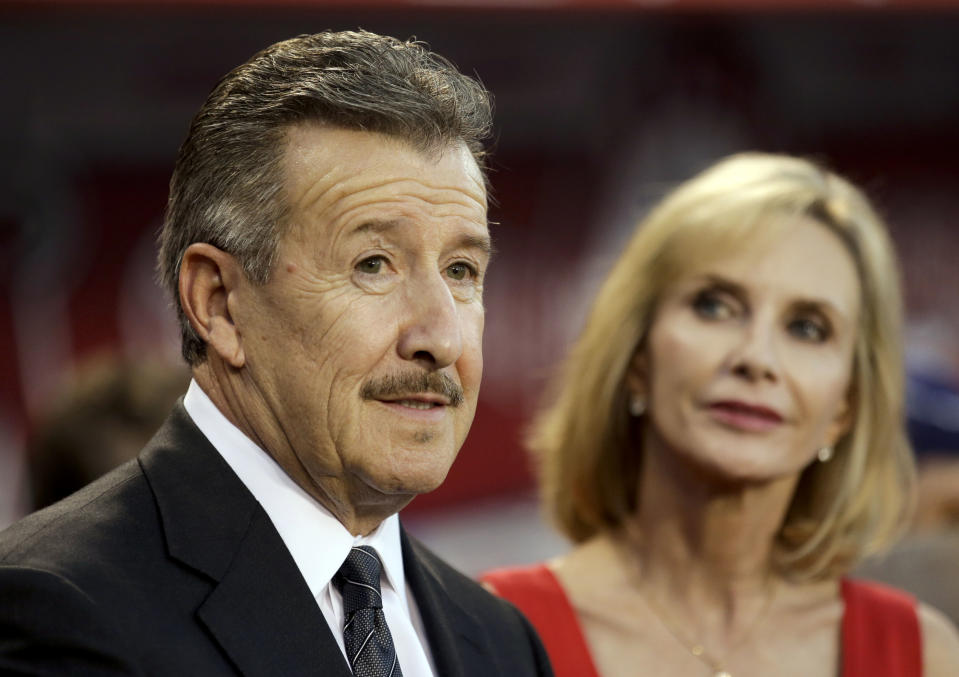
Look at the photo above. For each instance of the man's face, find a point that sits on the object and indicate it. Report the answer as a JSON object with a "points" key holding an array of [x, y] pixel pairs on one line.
{"points": [[363, 354]]}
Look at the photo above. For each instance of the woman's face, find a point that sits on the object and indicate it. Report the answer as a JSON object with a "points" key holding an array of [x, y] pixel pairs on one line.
{"points": [[747, 365]]}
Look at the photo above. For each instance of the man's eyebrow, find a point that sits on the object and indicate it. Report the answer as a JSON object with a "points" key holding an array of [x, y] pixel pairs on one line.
{"points": [[375, 227], [467, 241], [482, 242]]}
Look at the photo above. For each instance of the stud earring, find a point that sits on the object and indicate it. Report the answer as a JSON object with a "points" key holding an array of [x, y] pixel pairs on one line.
{"points": [[637, 405], [824, 454]]}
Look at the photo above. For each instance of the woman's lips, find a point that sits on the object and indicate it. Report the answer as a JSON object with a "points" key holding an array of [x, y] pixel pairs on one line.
{"points": [[745, 416]]}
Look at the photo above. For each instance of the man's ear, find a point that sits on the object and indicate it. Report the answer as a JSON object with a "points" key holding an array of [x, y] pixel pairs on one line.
{"points": [[208, 276]]}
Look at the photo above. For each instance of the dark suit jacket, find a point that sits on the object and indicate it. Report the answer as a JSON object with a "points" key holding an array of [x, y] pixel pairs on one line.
{"points": [[169, 566]]}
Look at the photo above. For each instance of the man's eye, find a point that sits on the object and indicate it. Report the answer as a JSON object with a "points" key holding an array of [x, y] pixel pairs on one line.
{"points": [[460, 271], [809, 330], [711, 305], [371, 265]]}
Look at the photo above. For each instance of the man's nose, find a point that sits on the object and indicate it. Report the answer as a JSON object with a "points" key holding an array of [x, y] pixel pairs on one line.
{"points": [[755, 357], [431, 332]]}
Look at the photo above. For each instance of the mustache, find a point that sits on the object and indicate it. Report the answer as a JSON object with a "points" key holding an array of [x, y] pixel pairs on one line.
{"points": [[411, 383]]}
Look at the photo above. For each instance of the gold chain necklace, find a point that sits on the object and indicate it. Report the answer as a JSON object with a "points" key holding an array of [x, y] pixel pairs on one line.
{"points": [[697, 650]]}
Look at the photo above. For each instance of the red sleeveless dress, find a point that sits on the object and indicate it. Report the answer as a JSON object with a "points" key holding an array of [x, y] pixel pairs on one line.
{"points": [[880, 627]]}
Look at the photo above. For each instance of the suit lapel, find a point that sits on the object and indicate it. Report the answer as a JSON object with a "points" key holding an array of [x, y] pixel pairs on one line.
{"points": [[260, 609], [457, 639], [264, 616]]}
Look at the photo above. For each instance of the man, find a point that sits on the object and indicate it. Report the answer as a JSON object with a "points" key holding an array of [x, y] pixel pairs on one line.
{"points": [[325, 243]]}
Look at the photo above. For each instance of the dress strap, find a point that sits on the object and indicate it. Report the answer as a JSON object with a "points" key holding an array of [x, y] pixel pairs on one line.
{"points": [[538, 594], [880, 631]]}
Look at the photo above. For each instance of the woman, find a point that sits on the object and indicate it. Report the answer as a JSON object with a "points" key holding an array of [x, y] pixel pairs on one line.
{"points": [[726, 441]]}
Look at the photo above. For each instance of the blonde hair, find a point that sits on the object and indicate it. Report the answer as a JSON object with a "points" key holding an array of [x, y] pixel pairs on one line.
{"points": [[588, 458]]}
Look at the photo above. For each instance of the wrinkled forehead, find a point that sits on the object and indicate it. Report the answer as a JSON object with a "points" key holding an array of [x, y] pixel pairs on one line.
{"points": [[343, 151], [330, 172]]}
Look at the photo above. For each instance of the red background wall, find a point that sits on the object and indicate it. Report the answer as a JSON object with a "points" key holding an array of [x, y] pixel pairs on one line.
{"points": [[600, 106]]}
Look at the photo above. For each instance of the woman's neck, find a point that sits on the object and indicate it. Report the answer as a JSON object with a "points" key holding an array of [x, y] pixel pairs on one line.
{"points": [[703, 549]]}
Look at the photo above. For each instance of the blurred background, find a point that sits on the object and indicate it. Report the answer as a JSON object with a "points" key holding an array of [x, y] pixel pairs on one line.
{"points": [[601, 107]]}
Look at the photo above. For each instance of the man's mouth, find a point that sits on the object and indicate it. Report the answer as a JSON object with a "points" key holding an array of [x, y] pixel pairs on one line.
{"points": [[423, 390], [415, 404]]}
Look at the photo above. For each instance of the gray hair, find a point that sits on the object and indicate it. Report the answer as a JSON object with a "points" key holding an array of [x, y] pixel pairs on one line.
{"points": [[227, 188]]}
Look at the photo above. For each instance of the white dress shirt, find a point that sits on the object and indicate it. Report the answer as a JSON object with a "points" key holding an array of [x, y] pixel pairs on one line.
{"points": [[318, 542]]}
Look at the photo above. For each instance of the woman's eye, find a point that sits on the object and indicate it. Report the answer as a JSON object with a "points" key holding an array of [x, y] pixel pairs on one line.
{"points": [[712, 305], [371, 265], [461, 271], [809, 329]]}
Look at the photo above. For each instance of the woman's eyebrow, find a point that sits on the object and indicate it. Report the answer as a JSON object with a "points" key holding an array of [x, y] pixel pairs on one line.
{"points": [[815, 304], [723, 284]]}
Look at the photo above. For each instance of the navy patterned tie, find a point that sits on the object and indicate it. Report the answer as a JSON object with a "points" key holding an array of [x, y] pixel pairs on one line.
{"points": [[369, 646]]}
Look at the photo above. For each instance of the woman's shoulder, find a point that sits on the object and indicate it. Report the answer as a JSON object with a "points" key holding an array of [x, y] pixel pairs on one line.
{"points": [[876, 611], [561, 575], [533, 582], [940, 643], [539, 594]]}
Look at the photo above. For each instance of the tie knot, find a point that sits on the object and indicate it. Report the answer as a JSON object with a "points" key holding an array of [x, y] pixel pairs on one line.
{"points": [[359, 580]]}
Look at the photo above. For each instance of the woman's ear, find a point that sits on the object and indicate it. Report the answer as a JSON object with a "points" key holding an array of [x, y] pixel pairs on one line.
{"points": [[637, 374], [843, 421], [208, 276]]}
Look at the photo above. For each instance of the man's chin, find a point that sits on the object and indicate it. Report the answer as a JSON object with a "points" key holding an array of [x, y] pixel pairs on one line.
{"points": [[408, 485]]}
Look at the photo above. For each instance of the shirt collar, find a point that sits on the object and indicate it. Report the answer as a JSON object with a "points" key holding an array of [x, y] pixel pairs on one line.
{"points": [[318, 542]]}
